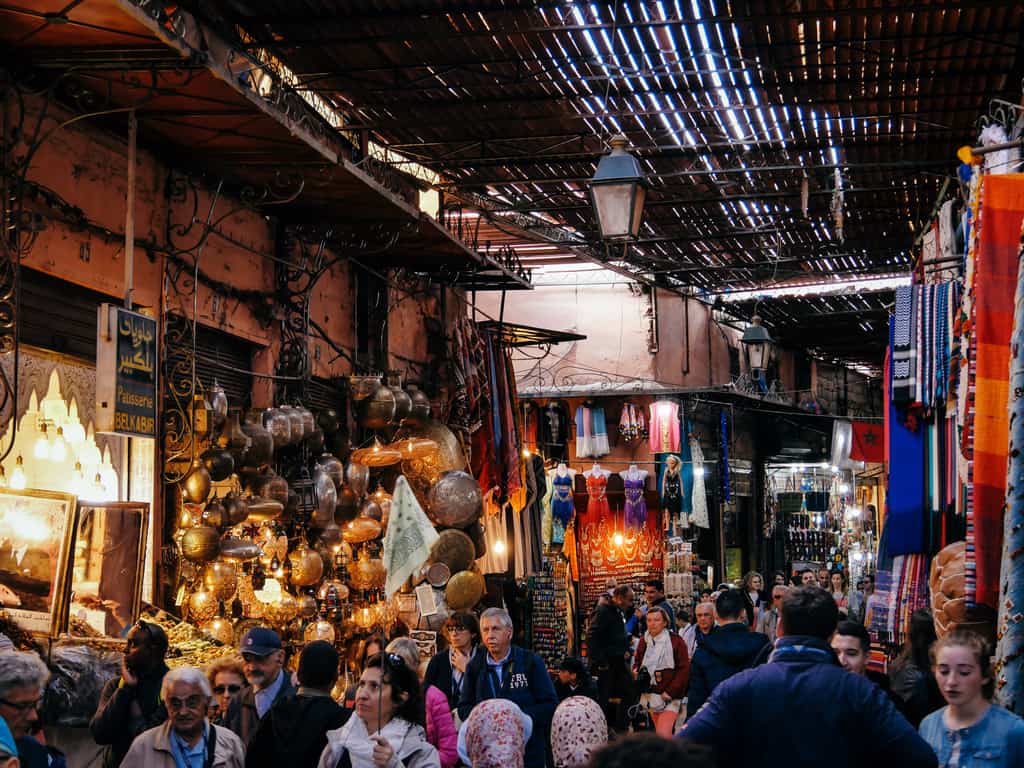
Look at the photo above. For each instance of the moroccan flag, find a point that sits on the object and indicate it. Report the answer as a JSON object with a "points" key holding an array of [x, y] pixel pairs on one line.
{"points": [[868, 442], [409, 537]]}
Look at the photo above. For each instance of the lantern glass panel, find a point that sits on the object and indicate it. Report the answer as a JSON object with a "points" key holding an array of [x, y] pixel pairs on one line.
{"points": [[615, 204]]}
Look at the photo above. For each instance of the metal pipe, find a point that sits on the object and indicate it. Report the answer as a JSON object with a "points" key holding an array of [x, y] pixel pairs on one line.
{"points": [[978, 151], [129, 214]]}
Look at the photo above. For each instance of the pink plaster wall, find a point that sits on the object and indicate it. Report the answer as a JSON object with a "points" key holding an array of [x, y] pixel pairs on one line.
{"points": [[87, 167], [615, 322]]}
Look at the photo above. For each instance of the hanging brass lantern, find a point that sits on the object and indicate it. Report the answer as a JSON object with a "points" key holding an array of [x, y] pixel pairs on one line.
{"points": [[321, 629], [221, 578], [202, 606], [307, 606], [200, 544], [307, 566]]}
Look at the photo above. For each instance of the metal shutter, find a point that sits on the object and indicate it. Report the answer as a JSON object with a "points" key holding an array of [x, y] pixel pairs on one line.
{"points": [[58, 315], [322, 394], [223, 357]]}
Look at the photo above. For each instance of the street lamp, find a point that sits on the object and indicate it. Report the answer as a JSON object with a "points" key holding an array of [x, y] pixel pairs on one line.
{"points": [[759, 346], [617, 192]]}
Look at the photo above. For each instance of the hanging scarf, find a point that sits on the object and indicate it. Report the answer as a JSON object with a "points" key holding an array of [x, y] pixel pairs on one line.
{"points": [[408, 539], [902, 346], [699, 515]]}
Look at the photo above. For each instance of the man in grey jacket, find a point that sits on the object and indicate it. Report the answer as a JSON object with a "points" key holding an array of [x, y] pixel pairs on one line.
{"points": [[269, 682]]}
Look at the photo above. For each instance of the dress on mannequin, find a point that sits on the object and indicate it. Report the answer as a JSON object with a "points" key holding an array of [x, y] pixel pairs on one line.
{"points": [[664, 427], [553, 430], [597, 493], [672, 491], [562, 507], [635, 508]]}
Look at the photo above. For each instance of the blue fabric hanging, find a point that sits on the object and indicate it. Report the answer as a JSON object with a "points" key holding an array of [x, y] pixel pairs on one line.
{"points": [[905, 520]]}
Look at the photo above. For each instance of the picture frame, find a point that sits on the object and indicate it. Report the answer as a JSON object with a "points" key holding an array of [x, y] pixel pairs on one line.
{"points": [[106, 566], [35, 542]]}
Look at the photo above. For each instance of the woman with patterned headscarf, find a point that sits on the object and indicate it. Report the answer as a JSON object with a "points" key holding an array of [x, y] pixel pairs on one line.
{"points": [[495, 735], [578, 730]]}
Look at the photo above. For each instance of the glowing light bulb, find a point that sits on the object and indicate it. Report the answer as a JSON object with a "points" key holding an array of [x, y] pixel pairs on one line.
{"points": [[97, 491], [42, 446], [844, 489], [499, 547], [78, 480], [526, 453], [18, 479], [74, 432], [617, 538], [59, 449]]}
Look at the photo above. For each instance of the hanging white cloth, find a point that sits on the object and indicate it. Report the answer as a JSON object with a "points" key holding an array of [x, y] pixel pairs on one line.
{"points": [[699, 515], [409, 537]]}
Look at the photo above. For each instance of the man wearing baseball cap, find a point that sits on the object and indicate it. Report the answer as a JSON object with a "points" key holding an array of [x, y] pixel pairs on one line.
{"points": [[263, 658]]}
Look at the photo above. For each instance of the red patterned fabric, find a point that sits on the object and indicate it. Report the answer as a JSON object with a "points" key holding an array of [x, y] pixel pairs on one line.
{"points": [[994, 284]]}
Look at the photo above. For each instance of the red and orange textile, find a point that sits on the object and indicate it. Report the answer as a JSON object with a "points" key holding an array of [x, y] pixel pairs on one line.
{"points": [[994, 282]]}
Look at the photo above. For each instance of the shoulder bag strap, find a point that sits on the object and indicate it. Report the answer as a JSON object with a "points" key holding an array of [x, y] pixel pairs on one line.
{"points": [[211, 746]]}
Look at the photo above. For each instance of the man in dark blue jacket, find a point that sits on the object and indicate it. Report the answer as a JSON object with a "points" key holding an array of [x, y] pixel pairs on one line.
{"points": [[730, 649], [812, 710], [500, 670]]}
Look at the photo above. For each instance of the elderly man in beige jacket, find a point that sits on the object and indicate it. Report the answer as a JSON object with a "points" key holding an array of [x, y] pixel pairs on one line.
{"points": [[187, 738]]}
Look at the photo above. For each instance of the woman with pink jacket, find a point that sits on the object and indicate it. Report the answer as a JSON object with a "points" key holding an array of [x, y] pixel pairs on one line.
{"points": [[441, 731]]}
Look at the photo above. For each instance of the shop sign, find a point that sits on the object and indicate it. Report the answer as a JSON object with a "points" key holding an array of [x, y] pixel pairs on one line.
{"points": [[126, 372]]}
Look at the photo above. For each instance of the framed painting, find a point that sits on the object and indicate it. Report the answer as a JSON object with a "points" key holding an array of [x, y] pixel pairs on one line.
{"points": [[35, 541], [108, 555]]}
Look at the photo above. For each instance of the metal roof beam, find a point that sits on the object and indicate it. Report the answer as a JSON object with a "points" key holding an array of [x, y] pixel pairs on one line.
{"points": [[937, 84], [426, 31], [865, 165], [653, 202], [668, 151], [517, 7]]}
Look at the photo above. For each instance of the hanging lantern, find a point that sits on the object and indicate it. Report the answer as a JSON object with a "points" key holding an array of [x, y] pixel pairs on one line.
{"points": [[307, 566], [221, 578], [759, 344], [220, 629], [376, 455], [617, 193], [321, 629], [202, 606]]}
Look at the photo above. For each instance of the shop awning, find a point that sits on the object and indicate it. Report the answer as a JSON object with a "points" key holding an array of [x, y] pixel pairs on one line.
{"points": [[516, 335]]}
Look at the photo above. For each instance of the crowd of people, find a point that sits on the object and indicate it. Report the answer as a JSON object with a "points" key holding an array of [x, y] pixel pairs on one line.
{"points": [[758, 679]]}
